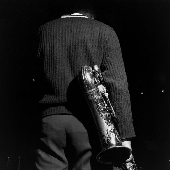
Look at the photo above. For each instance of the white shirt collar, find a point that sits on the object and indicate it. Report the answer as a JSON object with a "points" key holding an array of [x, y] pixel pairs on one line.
{"points": [[74, 15]]}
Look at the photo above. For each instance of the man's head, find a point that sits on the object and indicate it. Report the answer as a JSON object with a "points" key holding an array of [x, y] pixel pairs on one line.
{"points": [[84, 8]]}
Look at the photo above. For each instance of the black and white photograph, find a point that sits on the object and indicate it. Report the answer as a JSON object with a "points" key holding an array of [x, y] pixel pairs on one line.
{"points": [[85, 85]]}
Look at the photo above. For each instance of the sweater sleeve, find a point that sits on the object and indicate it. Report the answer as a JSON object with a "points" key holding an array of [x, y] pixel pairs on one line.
{"points": [[114, 75], [38, 70]]}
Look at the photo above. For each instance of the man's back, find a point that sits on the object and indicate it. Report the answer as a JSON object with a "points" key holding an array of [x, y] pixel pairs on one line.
{"points": [[68, 44]]}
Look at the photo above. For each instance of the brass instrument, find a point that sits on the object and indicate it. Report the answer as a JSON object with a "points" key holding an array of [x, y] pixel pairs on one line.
{"points": [[105, 119]]}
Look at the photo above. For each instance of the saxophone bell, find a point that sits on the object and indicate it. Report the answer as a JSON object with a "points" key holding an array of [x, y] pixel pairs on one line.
{"points": [[115, 155]]}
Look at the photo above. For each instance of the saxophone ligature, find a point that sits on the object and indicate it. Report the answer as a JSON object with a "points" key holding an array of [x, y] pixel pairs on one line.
{"points": [[105, 119]]}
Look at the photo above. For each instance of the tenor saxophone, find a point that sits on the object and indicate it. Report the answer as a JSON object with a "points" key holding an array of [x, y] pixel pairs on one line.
{"points": [[105, 118]]}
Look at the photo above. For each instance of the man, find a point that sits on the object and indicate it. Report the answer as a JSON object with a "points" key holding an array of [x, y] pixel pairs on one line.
{"points": [[66, 44]]}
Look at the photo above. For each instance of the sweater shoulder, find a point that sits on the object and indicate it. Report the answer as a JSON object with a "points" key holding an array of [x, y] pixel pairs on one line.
{"points": [[61, 22]]}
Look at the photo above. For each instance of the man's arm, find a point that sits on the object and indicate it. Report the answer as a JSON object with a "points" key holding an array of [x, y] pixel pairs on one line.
{"points": [[37, 68], [114, 75]]}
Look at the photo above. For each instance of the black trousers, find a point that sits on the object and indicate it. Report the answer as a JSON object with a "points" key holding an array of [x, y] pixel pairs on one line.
{"points": [[64, 145]]}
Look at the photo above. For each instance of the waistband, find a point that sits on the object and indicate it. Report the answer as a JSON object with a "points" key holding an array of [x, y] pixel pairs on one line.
{"points": [[58, 110]]}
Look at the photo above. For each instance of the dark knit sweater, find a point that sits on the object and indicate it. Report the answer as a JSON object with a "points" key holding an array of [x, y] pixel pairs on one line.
{"points": [[66, 44]]}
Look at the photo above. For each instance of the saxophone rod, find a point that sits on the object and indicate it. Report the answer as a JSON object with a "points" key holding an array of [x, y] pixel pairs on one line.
{"points": [[19, 163], [8, 162]]}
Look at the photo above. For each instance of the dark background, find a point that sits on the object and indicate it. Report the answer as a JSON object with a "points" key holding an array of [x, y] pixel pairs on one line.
{"points": [[143, 30]]}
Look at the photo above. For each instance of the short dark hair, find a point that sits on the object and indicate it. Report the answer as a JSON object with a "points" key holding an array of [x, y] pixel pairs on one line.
{"points": [[84, 6]]}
